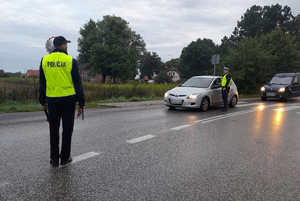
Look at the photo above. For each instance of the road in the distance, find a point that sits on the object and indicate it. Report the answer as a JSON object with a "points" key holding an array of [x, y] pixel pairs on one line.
{"points": [[153, 153]]}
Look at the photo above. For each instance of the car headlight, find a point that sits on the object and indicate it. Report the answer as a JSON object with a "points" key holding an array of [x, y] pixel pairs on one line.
{"points": [[166, 94], [262, 89], [193, 96], [282, 89]]}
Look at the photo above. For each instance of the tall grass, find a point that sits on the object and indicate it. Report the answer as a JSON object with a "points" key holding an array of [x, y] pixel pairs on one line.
{"points": [[15, 92], [100, 92]]}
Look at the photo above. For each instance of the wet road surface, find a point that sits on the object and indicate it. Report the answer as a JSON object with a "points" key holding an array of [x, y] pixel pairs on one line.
{"points": [[148, 152]]}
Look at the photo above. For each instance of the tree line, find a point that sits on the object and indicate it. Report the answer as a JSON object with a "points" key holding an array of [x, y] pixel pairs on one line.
{"points": [[265, 41]]}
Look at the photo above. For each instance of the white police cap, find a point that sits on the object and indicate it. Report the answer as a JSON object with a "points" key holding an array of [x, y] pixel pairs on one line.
{"points": [[225, 68]]}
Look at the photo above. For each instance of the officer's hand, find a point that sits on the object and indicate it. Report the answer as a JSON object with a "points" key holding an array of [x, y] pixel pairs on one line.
{"points": [[80, 109], [43, 107]]}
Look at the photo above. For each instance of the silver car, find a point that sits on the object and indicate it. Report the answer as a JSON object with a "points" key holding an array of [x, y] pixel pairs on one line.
{"points": [[200, 92]]}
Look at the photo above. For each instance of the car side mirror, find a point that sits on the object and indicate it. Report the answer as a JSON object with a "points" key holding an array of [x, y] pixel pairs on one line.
{"points": [[215, 86]]}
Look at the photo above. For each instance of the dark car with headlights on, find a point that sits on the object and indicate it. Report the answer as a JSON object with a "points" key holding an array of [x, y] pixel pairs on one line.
{"points": [[282, 86], [200, 92]]}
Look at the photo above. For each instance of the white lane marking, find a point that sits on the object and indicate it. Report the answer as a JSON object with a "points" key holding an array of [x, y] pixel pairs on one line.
{"points": [[207, 120], [146, 137], [298, 112], [245, 105], [181, 127], [84, 156], [287, 108], [240, 102], [225, 116]]}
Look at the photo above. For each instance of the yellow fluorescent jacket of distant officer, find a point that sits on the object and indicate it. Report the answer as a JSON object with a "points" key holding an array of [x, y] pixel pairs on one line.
{"points": [[57, 68], [224, 80]]}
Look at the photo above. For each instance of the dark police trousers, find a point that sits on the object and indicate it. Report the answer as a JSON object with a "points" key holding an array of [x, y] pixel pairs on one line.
{"points": [[225, 97], [66, 113]]}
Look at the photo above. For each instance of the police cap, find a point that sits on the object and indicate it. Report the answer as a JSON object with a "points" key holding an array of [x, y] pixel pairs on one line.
{"points": [[59, 40]]}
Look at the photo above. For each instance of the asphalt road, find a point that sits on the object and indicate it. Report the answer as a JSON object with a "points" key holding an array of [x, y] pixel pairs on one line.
{"points": [[148, 152]]}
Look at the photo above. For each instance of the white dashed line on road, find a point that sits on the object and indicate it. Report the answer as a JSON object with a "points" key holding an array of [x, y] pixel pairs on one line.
{"points": [[245, 105], [146, 137], [287, 108], [207, 120], [84, 156], [181, 127]]}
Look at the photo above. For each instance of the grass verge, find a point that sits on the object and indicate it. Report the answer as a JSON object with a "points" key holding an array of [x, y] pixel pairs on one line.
{"points": [[16, 106]]}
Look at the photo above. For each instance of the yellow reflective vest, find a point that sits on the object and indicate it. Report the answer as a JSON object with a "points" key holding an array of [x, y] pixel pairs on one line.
{"points": [[57, 68], [224, 80]]}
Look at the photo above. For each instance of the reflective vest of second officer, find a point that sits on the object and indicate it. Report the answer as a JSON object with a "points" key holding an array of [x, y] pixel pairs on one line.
{"points": [[225, 84]]}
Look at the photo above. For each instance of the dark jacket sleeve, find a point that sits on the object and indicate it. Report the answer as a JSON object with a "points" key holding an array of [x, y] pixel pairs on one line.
{"points": [[228, 77], [77, 83], [42, 85]]}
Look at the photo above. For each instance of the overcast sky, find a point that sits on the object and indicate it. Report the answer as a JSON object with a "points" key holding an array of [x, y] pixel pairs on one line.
{"points": [[167, 26]]}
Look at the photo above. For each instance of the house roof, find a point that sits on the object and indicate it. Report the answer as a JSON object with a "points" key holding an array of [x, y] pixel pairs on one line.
{"points": [[145, 78], [174, 69], [33, 72]]}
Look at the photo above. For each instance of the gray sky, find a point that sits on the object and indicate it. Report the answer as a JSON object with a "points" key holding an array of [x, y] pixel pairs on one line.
{"points": [[167, 26]]}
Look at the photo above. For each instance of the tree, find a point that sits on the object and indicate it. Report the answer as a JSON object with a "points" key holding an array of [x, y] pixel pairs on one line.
{"points": [[259, 21], [2, 73], [246, 63], [283, 52], [150, 63], [111, 48], [195, 59], [86, 41], [255, 60], [162, 78], [173, 63]]}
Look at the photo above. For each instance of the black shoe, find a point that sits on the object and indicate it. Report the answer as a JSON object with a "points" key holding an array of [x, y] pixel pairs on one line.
{"points": [[54, 163], [224, 110], [69, 160]]}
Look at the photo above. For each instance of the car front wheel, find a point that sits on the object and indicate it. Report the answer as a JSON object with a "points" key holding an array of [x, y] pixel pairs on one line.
{"points": [[233, 101], [288, 97], [204, 104]]}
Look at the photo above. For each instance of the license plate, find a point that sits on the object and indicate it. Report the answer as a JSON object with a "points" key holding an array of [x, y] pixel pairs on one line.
{"points": [[175, 101], [271, 94]]}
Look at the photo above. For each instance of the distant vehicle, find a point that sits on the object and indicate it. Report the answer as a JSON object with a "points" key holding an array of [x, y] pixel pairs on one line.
{"points": [[282, 86], [200, 92]]}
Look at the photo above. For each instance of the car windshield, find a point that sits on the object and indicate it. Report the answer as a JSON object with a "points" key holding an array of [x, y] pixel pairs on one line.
{"points": [[198, 82], [281, 80]]}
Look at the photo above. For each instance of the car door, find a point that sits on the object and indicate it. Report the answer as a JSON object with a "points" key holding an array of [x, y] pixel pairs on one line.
{"points": [[216, 94], [295, 88]]}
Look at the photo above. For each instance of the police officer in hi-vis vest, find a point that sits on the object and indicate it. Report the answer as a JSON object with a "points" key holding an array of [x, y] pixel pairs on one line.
{"points": [[60, 87], [225, 84]]}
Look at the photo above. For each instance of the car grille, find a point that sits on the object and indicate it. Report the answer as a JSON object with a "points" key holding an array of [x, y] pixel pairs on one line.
{"points": [[177, 95]]}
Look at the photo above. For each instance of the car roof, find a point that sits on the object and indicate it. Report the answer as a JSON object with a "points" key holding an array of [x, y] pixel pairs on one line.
{"points": [[285, 74], [207, 76]]}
